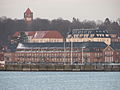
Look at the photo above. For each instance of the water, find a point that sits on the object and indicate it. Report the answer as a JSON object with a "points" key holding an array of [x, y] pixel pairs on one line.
{"points": [[59, 80]]}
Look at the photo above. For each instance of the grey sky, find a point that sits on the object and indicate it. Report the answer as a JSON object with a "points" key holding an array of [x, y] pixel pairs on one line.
{"points": [[67, 9]]}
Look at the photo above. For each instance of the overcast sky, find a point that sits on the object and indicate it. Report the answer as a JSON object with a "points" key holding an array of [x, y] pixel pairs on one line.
{"points": [[67, 9]]}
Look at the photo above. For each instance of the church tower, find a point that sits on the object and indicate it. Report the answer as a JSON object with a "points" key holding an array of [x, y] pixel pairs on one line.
{"points": [[28, 16]]}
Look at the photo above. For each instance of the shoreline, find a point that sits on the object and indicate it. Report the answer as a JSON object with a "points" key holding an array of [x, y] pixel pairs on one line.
{"points": [[62, 68]]}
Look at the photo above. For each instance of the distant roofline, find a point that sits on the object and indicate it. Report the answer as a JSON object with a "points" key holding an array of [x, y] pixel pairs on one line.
{"points": [[36, 31], [61, 44], [89, 29], [41, 34]]}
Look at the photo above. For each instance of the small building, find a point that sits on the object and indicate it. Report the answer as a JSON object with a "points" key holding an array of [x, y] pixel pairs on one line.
{"points": [[37, 36], [28, 16], [47, 36]]}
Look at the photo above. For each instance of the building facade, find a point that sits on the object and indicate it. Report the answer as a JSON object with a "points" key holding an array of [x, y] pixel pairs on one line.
{"points": [[116, 47], [2, 62], [80, 46], [65, 53], [89, 35]]}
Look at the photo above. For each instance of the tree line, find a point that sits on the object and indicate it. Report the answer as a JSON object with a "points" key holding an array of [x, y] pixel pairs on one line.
{"points": [[9, 26]]}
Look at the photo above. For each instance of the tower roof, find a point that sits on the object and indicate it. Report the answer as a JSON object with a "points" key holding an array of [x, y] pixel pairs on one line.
{"points": [[28, 11]]}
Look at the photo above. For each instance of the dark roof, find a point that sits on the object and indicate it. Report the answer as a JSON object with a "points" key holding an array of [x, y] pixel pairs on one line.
{"points": [[61, 45], [89, 31], [115, 45], [12, 47]]}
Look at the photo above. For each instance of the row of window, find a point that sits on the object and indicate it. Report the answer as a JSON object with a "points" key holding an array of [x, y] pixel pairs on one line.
{"points": [[47, 54], [61, 54], [108, 53], [108, 59], [45, 40], [43, 60]]}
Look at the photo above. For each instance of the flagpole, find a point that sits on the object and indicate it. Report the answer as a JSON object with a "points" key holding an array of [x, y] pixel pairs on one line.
{"points": [[71, 52]]}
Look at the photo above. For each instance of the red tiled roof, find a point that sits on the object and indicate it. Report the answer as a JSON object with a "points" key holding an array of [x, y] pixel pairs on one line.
{"points": [[40, 34], [28, 11], [47, 34], [30, 33]]}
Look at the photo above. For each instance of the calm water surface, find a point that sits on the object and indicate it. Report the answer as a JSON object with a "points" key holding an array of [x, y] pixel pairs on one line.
{"points": [[59, 80]]}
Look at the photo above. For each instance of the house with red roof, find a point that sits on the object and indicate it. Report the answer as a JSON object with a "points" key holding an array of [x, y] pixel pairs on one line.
{"points": [[47, 36], [40, 36]]}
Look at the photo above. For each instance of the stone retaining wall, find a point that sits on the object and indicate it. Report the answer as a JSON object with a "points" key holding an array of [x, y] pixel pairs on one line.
{"points": [[43, 67]]}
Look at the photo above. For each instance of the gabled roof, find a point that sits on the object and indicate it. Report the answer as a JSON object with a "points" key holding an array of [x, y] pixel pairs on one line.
{"points": [[28, 11], [47, 34], [30, 33], [108, 47]]}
